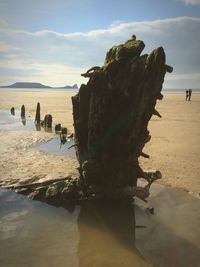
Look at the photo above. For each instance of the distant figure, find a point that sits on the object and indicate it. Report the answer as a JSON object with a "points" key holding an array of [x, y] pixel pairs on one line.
{"points": [[189, 94]]}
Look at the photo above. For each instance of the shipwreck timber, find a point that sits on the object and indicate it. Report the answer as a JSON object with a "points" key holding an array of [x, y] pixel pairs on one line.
{"points": [[111, 114]]}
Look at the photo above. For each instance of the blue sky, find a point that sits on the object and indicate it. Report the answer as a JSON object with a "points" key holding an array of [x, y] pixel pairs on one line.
{"points": [[53, 41]]}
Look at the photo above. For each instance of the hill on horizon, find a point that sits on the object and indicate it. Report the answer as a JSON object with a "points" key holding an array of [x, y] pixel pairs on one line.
{"points": [[35, 85]]}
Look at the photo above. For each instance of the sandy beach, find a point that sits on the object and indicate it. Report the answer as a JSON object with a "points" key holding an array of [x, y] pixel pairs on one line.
{"points": [[173, 149]]}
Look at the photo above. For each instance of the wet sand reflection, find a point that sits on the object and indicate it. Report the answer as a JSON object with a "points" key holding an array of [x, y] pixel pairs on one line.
{"points": [[101, 232], [107, 235]]}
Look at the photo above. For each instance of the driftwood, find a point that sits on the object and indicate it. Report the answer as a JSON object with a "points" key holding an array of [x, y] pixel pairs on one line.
{"points": [[111, 114]]}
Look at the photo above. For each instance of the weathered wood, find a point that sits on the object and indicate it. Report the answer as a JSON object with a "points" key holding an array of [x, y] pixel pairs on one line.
{"points": [[144, 155], [37, 115], [47, 121], [169, 68], [36, 184], [64, 130], [63, 138], [91, 72], [72, 146], [71, 135], [58, 127], [23, 111], [12, 111], [156, 113], [111, 114]]}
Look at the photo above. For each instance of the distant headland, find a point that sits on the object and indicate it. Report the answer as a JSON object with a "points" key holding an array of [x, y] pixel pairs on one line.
{"points": [[36, 85]]}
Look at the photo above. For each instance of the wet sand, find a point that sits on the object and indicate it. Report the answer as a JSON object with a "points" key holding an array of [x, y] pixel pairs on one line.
{"points": [[20, 161], [98, 233], [173, 149]]}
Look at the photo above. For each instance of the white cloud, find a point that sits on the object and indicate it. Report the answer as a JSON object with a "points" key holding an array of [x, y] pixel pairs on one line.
{"points": [[53, 57], [37, 72], [192, 2], [116, 23]]}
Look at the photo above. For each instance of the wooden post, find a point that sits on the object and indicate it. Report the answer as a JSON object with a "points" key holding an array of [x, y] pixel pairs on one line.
{"points": [[37, 115], [48, 121], [23, 111], [12, 111], [58, 127]]}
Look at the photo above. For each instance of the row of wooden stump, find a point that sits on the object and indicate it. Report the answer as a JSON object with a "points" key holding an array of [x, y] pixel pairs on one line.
{"points": [[46, 123]]}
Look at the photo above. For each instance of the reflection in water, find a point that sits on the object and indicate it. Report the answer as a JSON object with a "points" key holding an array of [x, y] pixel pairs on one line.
{"points": [[12, 111], [9, 122], [36, 234], [172, 236], [56, 147], [63, 139], [94, 234], [38, 126], [48, 130], [100, 233], [59, 145], [107, 235], [23, 120]]}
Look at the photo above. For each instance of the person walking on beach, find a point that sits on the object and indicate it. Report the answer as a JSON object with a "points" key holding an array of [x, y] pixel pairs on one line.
{"points": [[189, 94]]}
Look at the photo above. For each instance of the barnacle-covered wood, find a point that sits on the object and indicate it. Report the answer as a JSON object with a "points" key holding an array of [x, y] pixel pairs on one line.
{"points": [[111, 114]]}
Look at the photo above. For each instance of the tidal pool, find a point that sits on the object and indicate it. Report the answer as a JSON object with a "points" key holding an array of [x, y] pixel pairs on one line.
{"points": [[9, 122], [56, 147], [101, 233]]}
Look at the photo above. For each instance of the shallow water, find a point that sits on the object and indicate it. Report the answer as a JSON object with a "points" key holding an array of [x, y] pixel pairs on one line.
{"points": [[9, 122], [56, 147], [171, 236], [101, 234], [36, 234]]}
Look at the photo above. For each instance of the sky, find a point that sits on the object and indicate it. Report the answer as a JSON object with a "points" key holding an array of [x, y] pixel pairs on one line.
{"points": [[54, 41]]}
